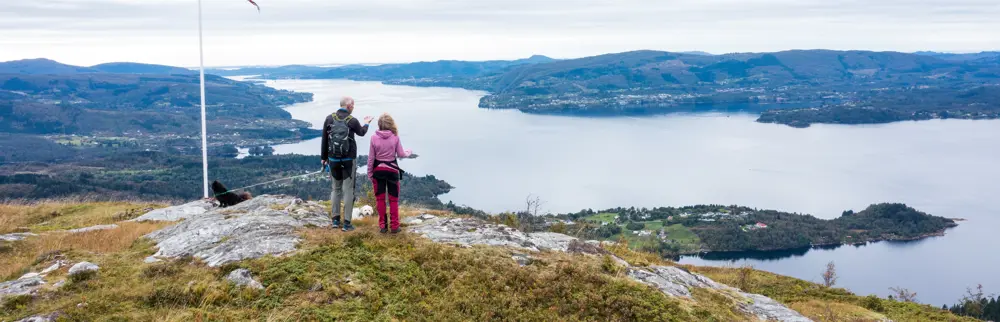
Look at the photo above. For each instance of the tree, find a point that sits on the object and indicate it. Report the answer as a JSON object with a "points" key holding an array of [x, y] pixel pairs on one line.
{"points": [[532, 204], [903, 294], [973, 302], [830, 275], [635, 225]]}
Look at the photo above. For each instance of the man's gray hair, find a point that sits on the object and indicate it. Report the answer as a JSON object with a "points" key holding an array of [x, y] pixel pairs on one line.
{"points": [[346, 101]]}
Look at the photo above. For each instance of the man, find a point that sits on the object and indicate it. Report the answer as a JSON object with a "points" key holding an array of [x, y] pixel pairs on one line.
{"points": [[339, 150]]}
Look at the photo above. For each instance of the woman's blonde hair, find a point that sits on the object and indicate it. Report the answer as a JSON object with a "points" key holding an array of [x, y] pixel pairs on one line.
{"points": [[385, 122]]}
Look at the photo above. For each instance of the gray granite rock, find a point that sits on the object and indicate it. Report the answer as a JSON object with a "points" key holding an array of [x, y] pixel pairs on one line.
{"points": [[92, 228], [467, 231], [24, 286], [413, 221], [59, 264], [29, 275], [176, 213], [264, 225], [83, 267], [672, 281], [521, 259], [242, 277], [677, 282], [16, 236], [51, 317]]}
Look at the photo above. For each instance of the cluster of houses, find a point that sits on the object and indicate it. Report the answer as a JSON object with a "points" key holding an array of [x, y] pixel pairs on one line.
{"points": [[756, 226], [712, 216]]}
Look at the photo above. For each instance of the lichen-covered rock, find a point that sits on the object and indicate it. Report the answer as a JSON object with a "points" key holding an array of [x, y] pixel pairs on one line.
{"points": [[521, 259], [264, 225], [23, 286], [242, 277], [83, 267], [672, 281], [677, 282], [92, 228], [467, 231], [51, 317], [29, 275], [176, 213], [16, 236], [53, 268]]}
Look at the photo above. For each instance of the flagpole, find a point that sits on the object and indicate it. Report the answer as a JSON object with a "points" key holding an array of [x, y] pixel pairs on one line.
{"points": [[204, 139]]}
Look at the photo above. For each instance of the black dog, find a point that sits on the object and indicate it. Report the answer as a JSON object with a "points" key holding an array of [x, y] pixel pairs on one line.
{"points": [[227, 198]]}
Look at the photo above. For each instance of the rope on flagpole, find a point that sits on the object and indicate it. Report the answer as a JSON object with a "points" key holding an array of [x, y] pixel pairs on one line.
{"points": [[204, 138]]}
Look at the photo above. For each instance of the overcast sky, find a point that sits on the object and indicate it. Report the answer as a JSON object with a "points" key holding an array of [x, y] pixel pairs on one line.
{"points": [[87, 32]]}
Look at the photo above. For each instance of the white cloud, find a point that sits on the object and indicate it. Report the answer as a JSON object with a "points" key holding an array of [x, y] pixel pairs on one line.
{"points": [[323, 31]]}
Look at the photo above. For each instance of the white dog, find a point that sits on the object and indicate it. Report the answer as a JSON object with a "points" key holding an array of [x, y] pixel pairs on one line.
{"points": [[363, 212]]}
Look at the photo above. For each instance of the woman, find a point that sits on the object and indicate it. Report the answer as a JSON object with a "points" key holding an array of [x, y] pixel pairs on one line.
{"points": [[384, 171]]}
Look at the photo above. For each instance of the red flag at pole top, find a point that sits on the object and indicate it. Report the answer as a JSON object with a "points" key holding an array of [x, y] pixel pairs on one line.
{"points": [[255, 5]]}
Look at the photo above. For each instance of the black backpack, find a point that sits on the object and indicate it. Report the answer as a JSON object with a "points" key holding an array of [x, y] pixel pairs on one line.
{"points": [[339, 136]]}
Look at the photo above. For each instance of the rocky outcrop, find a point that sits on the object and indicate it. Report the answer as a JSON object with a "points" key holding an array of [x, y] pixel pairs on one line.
{"points": [[418, 219], [678, 282], [83, 268], [58, 264], [92, 228], [468, 231], [242, 277], [16, 236], [670, 280], [176, 213], [51, 317], [264, 225], [21, 286]]}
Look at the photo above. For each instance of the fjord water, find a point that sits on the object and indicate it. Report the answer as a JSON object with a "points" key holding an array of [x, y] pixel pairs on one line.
{"points": [[496, 158]]}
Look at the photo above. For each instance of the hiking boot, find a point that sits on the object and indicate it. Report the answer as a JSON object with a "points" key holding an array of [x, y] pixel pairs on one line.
{"points": [[395, 231], [347, 226], [383, 230], [336, 222]]}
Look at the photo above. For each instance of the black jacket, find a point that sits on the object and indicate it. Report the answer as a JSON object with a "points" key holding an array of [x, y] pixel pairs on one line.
{"points": [[356, 129]]}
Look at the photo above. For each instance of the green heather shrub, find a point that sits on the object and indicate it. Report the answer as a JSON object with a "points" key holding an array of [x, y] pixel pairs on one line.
{"points": [[873, 303]]}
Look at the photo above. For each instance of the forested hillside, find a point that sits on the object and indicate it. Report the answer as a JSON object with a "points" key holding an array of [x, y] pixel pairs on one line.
{"points": [[671, 231], [158, 176], [814, 86]]}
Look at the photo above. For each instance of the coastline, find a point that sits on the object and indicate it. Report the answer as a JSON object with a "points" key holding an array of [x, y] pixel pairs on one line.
{"points": [[939, 233]]}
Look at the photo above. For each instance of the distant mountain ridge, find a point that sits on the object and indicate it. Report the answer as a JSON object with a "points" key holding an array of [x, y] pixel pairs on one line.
{"points": [[960, 56], [139, 68], [41, 66], [398, 72], [44, 66], [866, 86]]}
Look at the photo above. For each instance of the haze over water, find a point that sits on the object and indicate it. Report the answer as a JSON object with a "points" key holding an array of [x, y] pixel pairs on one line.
{"points": [[496, 158]]}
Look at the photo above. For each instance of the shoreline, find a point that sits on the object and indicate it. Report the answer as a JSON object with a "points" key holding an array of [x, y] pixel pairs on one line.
{"points": [[939, 233]]}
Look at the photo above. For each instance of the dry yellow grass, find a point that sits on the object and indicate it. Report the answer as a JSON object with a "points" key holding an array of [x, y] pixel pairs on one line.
{"points": [[21, 255], [50, 216], [827, 311]]}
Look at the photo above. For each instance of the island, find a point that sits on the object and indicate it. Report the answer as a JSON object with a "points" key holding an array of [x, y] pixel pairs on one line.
{"points": [[673, 231]]}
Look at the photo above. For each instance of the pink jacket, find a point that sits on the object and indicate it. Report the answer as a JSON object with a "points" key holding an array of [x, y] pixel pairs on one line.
{"points": [[385, 146]]}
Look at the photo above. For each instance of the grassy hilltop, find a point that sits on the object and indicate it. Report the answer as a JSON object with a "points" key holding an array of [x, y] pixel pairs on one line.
{"points": [[372, 277]]}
